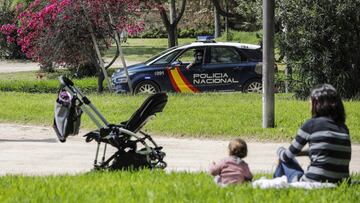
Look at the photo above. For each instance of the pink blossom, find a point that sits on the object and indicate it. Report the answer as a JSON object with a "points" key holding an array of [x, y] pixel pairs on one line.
{"points": [[7, 29], [10, 40], [19, 7]]}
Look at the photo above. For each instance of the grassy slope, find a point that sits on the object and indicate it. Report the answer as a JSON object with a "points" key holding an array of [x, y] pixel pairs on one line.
{"points": [[155, 186], [210, 115]]}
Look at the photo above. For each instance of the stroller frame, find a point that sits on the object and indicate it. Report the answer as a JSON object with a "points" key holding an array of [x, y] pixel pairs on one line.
{"points": [[117, 135]]}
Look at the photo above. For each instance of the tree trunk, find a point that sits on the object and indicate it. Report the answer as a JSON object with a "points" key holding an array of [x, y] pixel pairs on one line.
{"points": [[120, 52], [171, 36], [217, 25], [173, 18], [171, 27], [101, 79]]}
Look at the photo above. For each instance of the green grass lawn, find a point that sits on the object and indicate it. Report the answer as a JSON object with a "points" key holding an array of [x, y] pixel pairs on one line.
{"points": [[215, 115], [156, 186]]}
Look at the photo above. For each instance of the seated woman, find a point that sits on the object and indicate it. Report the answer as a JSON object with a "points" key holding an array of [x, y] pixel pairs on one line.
{"points": [[328, 139]]}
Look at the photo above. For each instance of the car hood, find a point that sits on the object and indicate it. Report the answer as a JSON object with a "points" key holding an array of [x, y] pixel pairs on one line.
{"points": [[131, 69]]}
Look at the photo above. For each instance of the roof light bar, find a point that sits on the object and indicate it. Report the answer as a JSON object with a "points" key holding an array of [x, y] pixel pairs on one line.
{"points": [[205, 39]]}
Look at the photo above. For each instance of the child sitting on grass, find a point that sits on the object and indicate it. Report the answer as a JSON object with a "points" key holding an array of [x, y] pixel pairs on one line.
{"points": [[232, 169]]}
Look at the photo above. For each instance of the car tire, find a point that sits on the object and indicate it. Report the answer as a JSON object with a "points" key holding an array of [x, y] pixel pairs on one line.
{"points": [[253, 86], [147, 87]]}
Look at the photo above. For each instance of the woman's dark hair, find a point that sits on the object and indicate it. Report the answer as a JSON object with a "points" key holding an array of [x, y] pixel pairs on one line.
{"points": [[326, 102]]}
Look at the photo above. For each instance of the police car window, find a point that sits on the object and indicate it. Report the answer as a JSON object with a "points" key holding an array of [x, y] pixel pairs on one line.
{"points": [[191, 55], [255, 54], [224, 55], [167, 58], [161, 53]]}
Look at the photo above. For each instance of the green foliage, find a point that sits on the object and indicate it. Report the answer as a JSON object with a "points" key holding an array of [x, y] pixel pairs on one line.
{"points": [[321, 41], [182, 33], [156, 186], [215, 115], [193, 33], [153, 32], [252, 11]]}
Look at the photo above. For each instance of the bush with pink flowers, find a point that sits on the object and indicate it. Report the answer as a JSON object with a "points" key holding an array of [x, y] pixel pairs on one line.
{"points": [[57, 33]]}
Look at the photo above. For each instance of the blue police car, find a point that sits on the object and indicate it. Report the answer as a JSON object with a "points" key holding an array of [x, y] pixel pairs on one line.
{"points": [[202, 66]]}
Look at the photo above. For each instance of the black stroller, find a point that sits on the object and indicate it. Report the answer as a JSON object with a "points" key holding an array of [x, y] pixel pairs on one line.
{"points": [[126, 137]]}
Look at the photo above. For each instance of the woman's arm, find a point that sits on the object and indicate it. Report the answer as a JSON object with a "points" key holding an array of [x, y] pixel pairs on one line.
{"points": [[295, 148]]}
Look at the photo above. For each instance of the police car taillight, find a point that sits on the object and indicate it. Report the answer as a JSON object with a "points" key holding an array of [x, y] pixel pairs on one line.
{"points": [[205, 39]]}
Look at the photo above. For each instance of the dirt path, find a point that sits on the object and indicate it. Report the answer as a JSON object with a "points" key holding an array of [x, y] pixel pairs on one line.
{"points": [[34, 150]]}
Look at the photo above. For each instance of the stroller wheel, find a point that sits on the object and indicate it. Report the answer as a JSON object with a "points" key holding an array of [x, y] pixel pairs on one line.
{"points": [[161, 165]]}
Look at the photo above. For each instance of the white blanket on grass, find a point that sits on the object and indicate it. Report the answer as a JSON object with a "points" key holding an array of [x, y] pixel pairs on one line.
{"points": [[281, 182]]}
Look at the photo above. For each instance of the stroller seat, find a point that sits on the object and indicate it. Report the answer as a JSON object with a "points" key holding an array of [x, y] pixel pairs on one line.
{"points": [[152, 105]]}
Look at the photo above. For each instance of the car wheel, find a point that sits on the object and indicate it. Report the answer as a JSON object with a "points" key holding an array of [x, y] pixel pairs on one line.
{"points": [[254, 85], [147, 87]]}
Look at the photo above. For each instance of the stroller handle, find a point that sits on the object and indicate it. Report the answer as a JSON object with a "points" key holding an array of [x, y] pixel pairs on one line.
{"points": [[65, 81]]}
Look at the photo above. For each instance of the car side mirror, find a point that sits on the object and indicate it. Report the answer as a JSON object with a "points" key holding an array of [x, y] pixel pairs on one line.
{"points": [[175, 64]]}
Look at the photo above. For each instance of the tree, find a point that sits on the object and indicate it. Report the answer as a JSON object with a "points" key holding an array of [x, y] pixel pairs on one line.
{"points": [[224, 12], [171, 24], [322, 44], [244, 15], [71, 33]]}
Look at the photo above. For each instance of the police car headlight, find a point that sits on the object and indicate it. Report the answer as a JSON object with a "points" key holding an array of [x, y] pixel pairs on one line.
{"points": [[121, 80]]}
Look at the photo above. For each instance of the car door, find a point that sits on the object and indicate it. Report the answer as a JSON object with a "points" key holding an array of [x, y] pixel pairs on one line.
{"points": [[223, 68], [189, 65]]}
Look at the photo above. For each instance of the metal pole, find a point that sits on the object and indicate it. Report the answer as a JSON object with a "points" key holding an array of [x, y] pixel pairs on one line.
{"points": [[227, 21], [268, 64]]}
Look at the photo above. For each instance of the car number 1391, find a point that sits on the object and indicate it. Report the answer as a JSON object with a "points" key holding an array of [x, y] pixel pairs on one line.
{"points": [[158, 73]]}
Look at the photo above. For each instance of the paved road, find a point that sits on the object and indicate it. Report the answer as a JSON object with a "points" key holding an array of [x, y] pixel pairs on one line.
{"points": [[34, 150], [18, 66], [21, 66]]}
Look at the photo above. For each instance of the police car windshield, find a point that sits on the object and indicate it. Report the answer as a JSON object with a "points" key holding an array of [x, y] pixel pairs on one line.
{"points": [[161, 53]]}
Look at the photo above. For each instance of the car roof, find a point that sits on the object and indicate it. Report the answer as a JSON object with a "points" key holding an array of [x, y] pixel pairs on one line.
{"points": [[233, 44], [208, 44]]}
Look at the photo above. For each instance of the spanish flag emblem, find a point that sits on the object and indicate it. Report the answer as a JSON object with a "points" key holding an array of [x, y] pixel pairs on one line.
{"points": [[179, 82]]}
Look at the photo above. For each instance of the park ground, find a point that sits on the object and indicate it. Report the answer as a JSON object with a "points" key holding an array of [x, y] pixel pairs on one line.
{"points": [[34, 149], [60, 169]]}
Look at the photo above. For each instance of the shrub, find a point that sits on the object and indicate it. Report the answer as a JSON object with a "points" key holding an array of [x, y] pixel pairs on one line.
{"points": [[321, 42], [8, 37]]}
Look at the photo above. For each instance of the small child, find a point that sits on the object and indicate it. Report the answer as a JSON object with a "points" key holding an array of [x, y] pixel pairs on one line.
{"points": [[232, 169]]}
